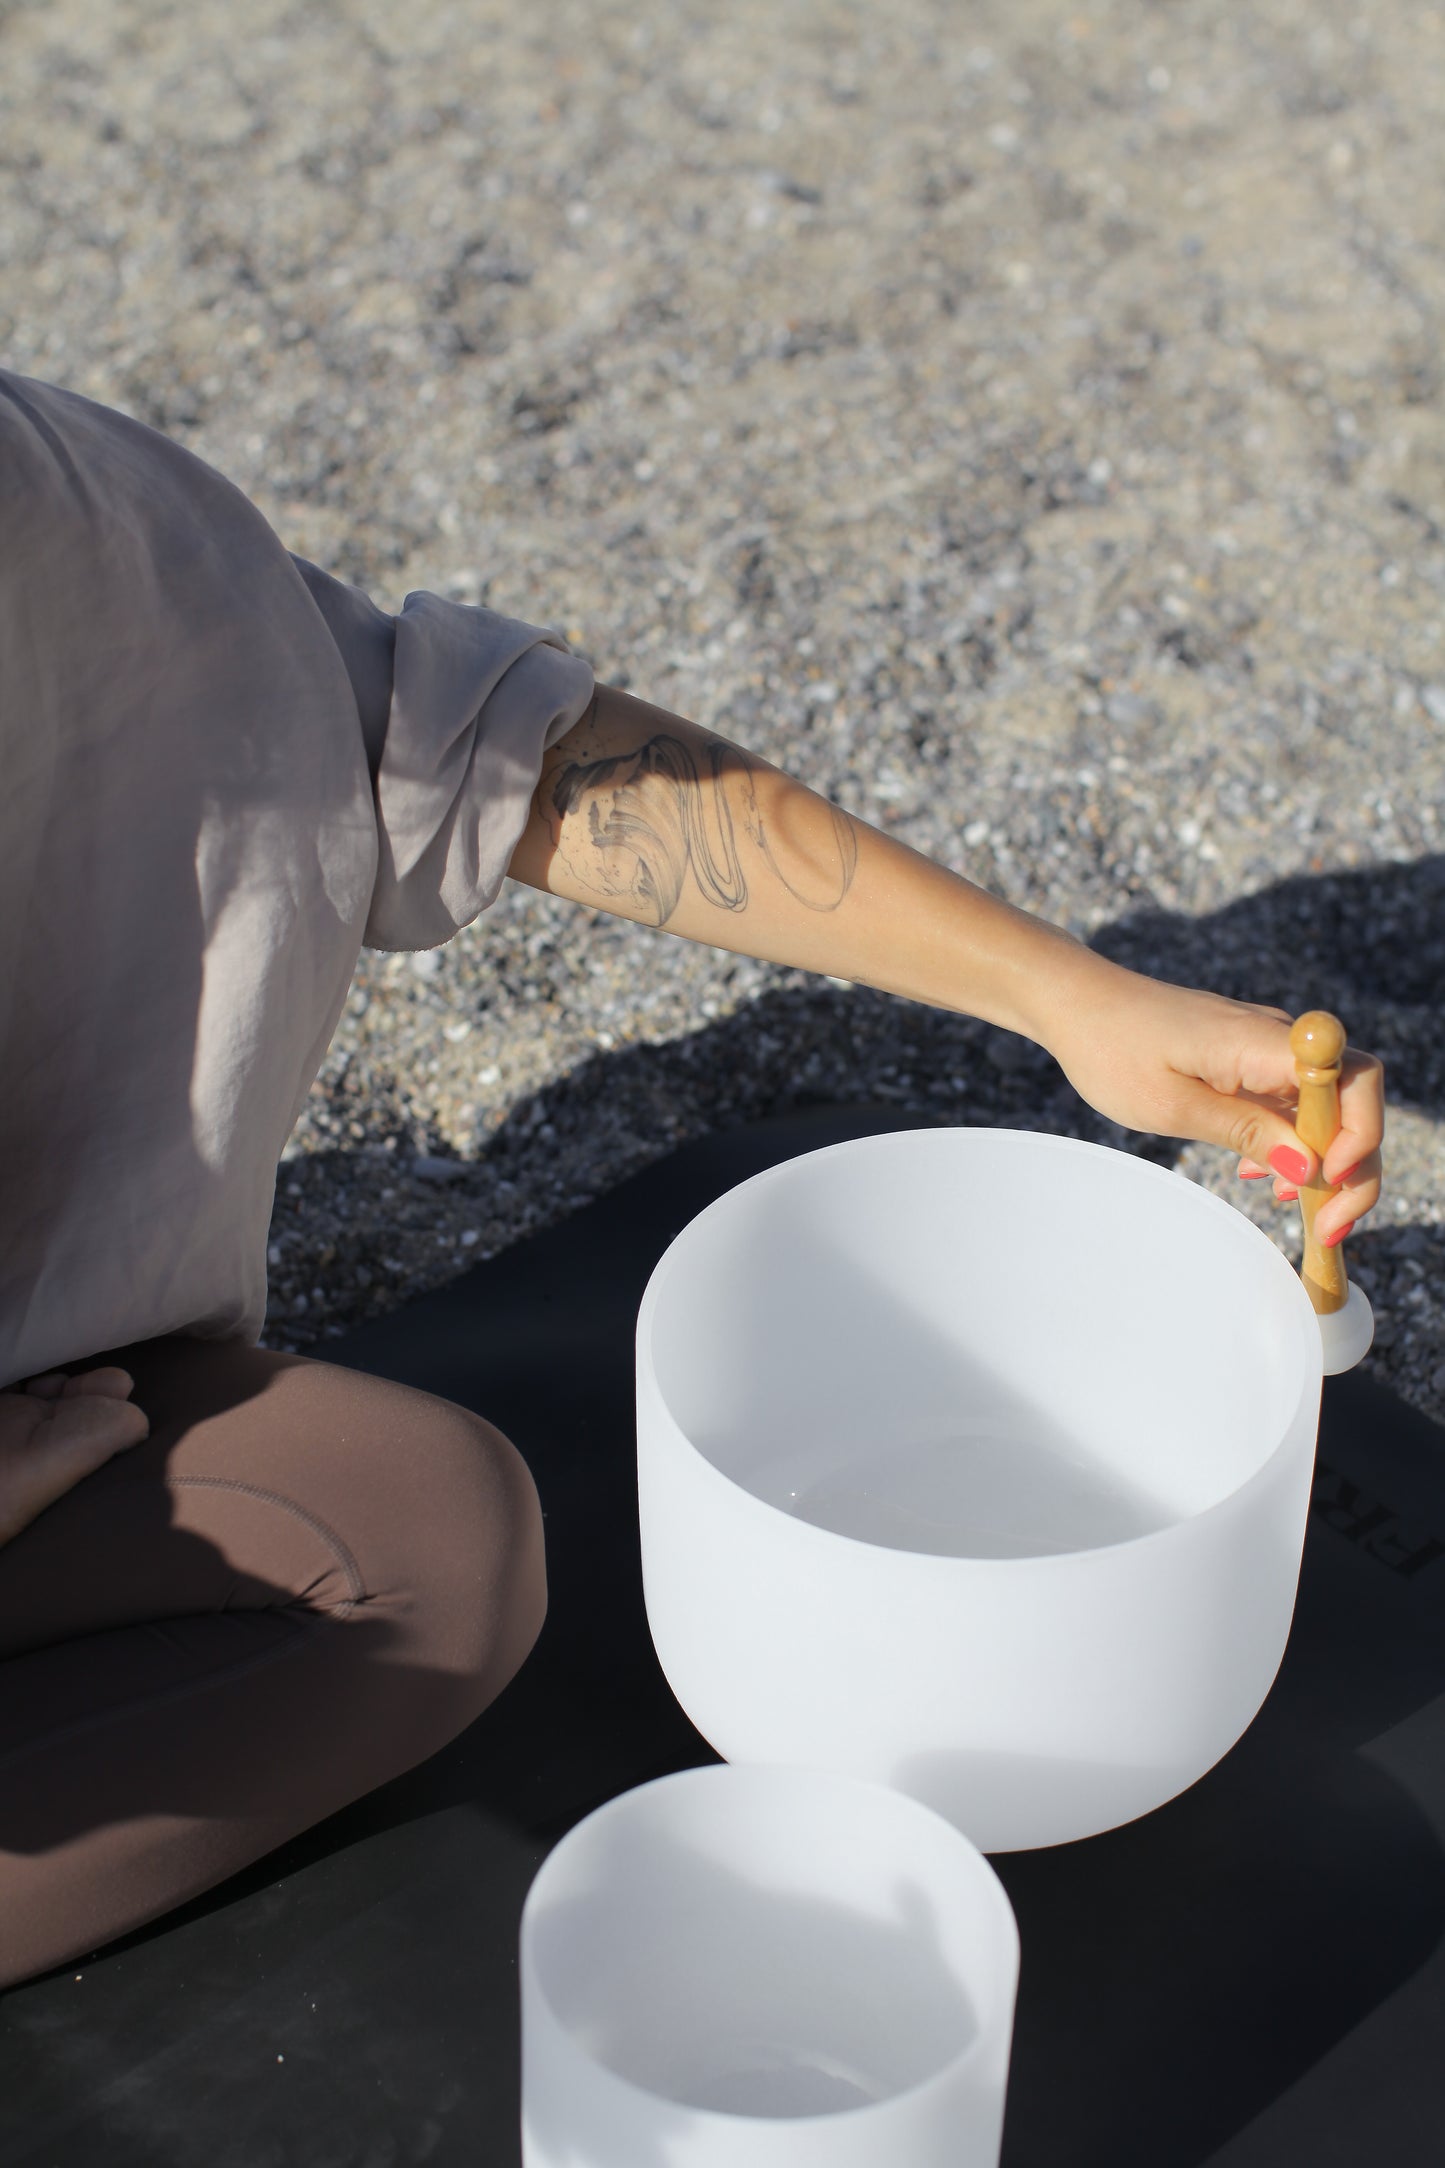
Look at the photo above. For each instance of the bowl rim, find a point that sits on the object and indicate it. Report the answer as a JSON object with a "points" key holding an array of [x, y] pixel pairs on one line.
{"points": [[1306, 1334]]}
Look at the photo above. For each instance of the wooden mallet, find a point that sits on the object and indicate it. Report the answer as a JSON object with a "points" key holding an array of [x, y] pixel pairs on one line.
{"points": [[1347, 1324]]}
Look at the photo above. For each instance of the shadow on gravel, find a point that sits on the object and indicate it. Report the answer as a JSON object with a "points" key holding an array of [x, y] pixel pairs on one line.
{"points": [[1369, 944]]}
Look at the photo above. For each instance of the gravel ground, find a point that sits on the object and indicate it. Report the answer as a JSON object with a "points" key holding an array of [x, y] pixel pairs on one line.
{"points": [[1025, 424]]}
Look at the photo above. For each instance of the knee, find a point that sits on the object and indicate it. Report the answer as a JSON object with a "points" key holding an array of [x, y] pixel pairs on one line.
{"points": [[477, 1574], [495, 1582], [439, 1512], [427, 1514]]}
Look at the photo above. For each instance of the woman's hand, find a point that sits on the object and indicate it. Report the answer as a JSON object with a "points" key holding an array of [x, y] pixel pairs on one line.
{"points": [[1186, 1064], [54, 1431]]}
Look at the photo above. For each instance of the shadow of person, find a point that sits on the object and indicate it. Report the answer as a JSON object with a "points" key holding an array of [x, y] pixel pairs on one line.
{"points": [[1369, 944]]}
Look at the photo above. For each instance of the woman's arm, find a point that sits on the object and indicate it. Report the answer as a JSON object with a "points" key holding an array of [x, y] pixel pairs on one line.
{"points": [[651, 816]]}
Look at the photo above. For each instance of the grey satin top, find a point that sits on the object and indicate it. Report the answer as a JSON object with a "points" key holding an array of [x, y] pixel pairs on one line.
{"points": [[222, 772]]}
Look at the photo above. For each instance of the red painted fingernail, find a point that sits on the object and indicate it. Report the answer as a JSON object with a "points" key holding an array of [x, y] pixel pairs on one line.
{"points": [[1339, 1234], [1286, 1196], [1253, 1174], [1292, 1165], [1348, 1175]]}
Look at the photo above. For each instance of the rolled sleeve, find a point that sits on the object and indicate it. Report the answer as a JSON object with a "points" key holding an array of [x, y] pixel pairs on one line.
{"points": [[475, 701]]}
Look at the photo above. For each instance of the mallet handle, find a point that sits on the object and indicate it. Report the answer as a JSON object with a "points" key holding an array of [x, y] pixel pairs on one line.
{"points": [[1317, 1041]]}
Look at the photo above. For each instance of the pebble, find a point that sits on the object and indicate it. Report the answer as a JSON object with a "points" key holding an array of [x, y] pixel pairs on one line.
{"points": [[430, 1167]]}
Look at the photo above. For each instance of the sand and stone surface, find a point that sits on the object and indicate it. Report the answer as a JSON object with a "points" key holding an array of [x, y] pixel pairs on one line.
{"points": [[1023, 421]]}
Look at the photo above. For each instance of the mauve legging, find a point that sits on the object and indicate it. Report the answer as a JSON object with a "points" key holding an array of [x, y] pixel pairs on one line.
{"points": [[303, 1582]]}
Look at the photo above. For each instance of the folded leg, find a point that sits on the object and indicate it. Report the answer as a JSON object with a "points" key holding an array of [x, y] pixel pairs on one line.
{"points": [[302, 1583]]}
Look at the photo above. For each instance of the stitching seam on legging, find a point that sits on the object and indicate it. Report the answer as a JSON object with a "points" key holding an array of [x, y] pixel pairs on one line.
{"points": [[287, 1505], [316, 1622]]}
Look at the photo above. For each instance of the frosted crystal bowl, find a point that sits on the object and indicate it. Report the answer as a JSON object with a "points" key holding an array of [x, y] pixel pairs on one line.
{"points": [[765, 1968], [976, 1462]]}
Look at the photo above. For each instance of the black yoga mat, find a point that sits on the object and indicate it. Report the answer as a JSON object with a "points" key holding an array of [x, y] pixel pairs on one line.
{"points": [[1252, 1977]]}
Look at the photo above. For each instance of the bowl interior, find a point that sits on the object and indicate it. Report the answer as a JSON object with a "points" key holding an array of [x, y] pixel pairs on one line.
{"points": [[980, 1343], [769, 1942]]}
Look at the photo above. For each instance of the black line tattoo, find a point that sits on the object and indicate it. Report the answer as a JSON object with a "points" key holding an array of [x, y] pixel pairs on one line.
{"points": [[656, 813]]}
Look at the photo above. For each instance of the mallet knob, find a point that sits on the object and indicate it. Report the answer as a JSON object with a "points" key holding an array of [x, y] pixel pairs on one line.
{"points": [[1317, 1041]]}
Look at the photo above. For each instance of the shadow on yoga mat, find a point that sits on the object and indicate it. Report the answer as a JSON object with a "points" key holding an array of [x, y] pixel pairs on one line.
{"points": [[1253, 1976]]}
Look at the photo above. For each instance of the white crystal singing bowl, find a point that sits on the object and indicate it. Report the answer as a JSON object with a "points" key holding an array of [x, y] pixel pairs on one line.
{"points": [[765, 1968], [976, 1462]]}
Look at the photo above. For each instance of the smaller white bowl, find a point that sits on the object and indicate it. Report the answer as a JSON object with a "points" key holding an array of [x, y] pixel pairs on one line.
{"points": [[765, 1968]]}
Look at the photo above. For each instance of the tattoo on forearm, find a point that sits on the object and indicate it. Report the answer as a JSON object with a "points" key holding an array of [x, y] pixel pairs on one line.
{"points": [[655, 814]]}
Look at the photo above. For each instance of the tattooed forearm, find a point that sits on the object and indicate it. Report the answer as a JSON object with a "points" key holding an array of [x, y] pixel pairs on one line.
{"points": [[666, 809], [651, 814]]}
